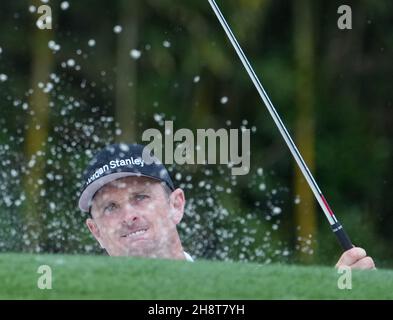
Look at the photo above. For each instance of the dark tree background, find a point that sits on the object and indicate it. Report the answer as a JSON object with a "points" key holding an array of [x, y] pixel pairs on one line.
{"points": [[108, 70]]}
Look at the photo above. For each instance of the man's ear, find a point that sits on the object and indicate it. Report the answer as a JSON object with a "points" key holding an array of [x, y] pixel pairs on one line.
{"points": [[94, 230], [177, 202]]}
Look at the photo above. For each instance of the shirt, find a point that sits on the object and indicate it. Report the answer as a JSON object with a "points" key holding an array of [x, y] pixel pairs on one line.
{"points": [[188, 257]]}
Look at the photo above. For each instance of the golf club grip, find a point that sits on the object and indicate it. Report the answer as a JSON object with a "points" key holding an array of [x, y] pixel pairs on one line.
{"points": [[342, 236]]}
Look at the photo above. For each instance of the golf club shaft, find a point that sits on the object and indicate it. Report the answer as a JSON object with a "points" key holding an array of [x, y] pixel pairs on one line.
{"points": [[334, 223]]}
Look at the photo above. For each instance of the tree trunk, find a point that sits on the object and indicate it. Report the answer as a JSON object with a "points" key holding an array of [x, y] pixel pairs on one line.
{"points": [[126, 79], [305, 215], [36, 135]]}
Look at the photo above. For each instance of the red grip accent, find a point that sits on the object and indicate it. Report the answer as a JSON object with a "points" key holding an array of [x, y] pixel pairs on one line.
{"points": [[327, 206]]}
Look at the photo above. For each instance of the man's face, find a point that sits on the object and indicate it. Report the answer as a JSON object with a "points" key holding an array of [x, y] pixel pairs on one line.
{"points": [[135, 216]]}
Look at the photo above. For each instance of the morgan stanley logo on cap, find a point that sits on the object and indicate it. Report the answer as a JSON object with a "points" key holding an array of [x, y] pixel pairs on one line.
{"points": [[113, 165], [118, 161]]}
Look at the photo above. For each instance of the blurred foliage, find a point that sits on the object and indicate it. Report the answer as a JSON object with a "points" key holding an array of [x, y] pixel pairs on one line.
{"points": [[186, 66]]}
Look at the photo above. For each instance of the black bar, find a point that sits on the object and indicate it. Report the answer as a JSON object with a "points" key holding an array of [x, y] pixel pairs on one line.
{"points": [[139, 309]]}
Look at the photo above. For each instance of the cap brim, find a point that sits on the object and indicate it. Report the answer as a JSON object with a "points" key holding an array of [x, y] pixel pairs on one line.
{"points": [[90, 191]]}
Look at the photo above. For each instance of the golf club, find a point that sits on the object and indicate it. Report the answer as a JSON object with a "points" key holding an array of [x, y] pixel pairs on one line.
{"points": [[337, 228]]}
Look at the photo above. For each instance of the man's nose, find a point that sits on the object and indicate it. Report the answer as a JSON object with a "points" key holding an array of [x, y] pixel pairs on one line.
{"points": [[130, 216]]}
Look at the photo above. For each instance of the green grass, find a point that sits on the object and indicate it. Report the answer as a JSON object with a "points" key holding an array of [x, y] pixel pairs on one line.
{"points": [[100, 277]]}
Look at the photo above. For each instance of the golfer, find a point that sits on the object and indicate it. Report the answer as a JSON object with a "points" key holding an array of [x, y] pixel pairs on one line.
{"points": [[134, 207]]}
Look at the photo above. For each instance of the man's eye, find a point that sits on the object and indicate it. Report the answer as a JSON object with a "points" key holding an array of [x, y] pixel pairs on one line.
{"points": [[141, 197], [109, 208]]}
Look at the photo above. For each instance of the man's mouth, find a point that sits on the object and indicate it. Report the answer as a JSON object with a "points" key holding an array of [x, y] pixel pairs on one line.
{"points": [[135, 233]]}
